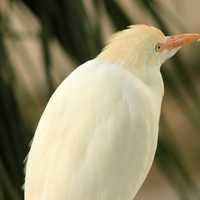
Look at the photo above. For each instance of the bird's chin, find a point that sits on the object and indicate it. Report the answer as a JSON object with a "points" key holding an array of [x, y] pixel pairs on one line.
{"points": [[172, 52], [167, 54]]}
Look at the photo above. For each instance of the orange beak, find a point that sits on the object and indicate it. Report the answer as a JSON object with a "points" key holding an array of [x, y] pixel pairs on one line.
{"points": [[180, 40]]}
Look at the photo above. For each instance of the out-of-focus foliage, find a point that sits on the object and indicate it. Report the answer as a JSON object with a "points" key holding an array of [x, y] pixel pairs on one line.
{"points": [[81, 38]]}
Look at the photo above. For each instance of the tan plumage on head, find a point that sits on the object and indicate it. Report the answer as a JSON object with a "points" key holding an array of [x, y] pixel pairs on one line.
{"points": [[129, 47]]}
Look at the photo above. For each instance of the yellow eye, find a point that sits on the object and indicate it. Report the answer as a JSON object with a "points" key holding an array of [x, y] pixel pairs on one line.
{"points": [[158, 47]]}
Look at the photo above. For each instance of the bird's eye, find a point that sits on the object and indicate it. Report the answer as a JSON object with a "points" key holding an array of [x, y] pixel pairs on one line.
{"points": [[158, 47]]}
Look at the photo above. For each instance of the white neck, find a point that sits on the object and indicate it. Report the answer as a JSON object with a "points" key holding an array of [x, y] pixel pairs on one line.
{"points": [[144, 71]]}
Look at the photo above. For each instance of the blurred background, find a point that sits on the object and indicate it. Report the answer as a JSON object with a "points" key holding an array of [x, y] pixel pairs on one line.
{"points": [[42, 41]]}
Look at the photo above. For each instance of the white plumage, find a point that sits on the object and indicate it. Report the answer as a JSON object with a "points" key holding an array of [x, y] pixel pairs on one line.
{"points": [[97, 137]]}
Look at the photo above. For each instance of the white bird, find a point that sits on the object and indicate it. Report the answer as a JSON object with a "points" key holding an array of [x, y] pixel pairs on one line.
{"points": [[97, 137]]}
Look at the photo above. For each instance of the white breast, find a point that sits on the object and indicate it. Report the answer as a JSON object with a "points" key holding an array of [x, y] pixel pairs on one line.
{"points": [[96, 138]]}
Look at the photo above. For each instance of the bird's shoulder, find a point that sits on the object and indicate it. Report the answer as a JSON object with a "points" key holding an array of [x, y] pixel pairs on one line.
{"points": [[95, 79], [96, 89]]}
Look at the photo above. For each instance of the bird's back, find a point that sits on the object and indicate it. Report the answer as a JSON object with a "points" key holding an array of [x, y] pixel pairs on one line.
{"points": [[96, 138]]}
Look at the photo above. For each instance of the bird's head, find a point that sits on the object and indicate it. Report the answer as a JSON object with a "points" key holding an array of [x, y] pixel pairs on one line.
{"points": [[141, 48]]}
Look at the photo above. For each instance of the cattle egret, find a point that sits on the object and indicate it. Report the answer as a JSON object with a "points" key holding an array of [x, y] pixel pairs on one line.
{"points": [[97, 137]]}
